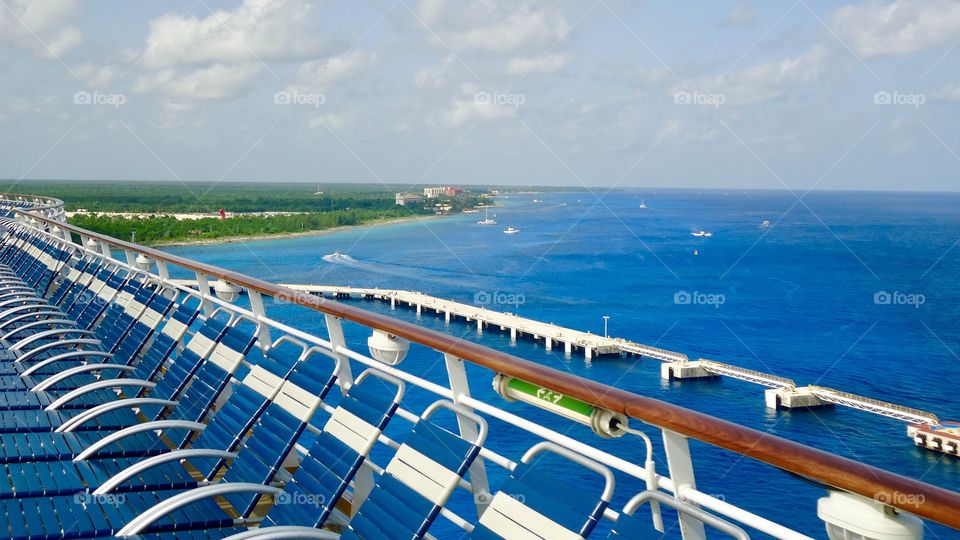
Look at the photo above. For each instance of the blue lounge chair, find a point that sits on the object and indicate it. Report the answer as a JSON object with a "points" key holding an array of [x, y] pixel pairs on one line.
{"points": [[529, 505]]}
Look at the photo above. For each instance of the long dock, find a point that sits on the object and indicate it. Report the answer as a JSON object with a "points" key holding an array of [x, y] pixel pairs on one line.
{"points": [[781, 392]]}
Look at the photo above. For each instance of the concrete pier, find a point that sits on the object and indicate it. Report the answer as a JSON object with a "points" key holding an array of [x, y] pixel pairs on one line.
{"points": [[793, 398], [685, 370]]}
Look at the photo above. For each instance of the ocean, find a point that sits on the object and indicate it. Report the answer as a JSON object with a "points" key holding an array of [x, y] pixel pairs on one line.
{"points": [[854, 291]]}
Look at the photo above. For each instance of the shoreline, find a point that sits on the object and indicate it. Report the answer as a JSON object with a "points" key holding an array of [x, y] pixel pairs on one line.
{"points": [[285, 235]]}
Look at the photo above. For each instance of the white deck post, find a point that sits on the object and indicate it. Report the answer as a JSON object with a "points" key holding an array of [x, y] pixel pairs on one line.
{"points": [[677, 449], [460, 386]]}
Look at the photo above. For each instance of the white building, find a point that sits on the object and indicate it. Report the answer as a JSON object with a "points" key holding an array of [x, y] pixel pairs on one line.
{"points": [[432, 192], [404, 199]]}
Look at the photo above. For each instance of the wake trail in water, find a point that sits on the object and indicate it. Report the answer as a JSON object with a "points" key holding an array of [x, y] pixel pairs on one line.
{"points": [[396, 270]]}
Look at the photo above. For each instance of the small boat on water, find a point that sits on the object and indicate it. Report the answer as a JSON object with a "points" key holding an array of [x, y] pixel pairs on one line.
{"points": [[643, 203], [537, 201], [766, 223], [338, 253], [701, 234], [486, 218], [510, 230]]}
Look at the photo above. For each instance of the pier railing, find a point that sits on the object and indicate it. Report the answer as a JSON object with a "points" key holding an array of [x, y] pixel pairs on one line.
{"points": [[676, 424]]}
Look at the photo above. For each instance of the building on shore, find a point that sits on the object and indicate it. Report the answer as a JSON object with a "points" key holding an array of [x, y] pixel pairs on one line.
{"points": [[433, 192], [404, 199]]}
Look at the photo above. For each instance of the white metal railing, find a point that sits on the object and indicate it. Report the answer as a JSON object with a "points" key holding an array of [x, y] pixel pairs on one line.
{"points": [[680, 481]]}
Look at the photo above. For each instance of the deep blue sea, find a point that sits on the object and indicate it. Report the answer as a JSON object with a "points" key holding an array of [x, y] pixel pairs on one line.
{"points": [[796, 299]]}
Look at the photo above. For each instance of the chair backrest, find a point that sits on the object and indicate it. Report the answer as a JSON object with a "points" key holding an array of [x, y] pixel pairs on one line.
{"points": [[211, 379], [530, 505], [164, 342], [277, 431], [340, 449], [419, 479]]}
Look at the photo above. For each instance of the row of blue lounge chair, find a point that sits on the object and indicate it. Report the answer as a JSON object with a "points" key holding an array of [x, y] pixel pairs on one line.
{"points": [[126, 410]]}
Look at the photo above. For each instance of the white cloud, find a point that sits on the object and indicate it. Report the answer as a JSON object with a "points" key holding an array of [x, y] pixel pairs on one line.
{"points": [[256, 31], [550, 63], [216, 82], [320, 74], [762, 82], [898, 28], [40, 26], [494, 26], [947, 93], [741, 15], [478, 106]]}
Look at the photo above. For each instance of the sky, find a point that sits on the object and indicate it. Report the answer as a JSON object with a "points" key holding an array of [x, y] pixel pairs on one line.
{"points": [[727, 94]]}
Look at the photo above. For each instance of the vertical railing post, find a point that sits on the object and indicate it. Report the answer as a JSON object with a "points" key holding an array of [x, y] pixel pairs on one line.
{"points": [[460, 386], [203, 285], [363, 482], [256, 305], [677, 449]]}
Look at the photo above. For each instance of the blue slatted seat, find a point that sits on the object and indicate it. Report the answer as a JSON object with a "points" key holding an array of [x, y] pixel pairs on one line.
{"points": [[355, 425], [529, 505], [178, 376], [225, 431]]}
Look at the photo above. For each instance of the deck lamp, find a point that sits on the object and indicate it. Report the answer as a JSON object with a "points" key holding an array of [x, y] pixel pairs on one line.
{"points": [[850, 516], [226, 291], [387, 348], [143, 262]]}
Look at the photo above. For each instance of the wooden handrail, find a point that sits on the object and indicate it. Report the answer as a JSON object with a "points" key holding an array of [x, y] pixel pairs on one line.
{"points": [[934, 503]]}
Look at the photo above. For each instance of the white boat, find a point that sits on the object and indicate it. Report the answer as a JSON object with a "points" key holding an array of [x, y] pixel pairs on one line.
{"points": [[701, 234], [510, 230], [486, 218], [537, 201], [766, 223], [643, 203]]}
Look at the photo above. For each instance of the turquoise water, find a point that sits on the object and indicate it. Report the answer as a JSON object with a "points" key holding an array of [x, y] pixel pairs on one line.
{"points": [[798, 298]]}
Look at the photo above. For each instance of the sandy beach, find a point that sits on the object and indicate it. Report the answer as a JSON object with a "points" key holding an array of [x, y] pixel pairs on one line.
{"points": [[249, 238]]}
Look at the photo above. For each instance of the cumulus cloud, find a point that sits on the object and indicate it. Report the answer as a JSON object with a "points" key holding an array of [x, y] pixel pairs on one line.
{"points": [[898, 28], [190, 59], [494, 26], [478, 105], [319, 74], [741, 15], [40, 26], [550, 63], [947, 93], [762, 82], [256, 31]]}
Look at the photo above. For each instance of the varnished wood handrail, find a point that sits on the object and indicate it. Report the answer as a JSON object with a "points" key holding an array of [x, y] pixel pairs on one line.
{"points": [[934, 503]]}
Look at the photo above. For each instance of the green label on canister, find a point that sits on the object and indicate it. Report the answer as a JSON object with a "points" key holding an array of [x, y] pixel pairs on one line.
{"points": [[551, 397]]}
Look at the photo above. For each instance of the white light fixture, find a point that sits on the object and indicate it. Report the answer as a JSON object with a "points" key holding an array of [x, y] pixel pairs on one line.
{"points": [[850, 516], [387, 348], [143, 262], [226, 291]]}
